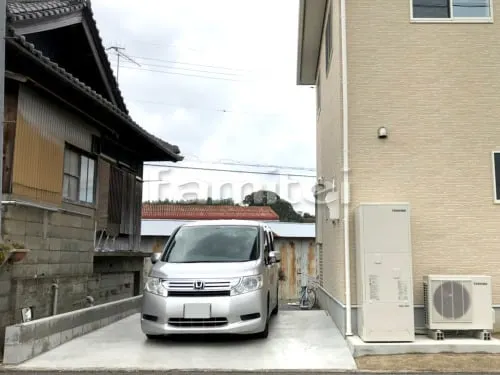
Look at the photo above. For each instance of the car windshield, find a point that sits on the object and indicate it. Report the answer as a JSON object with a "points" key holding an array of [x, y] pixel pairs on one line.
{"points": [[213, 243]]}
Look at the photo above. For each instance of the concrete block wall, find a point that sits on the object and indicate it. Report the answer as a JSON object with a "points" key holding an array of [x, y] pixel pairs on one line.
{"points": [[110, 287], [116, 273], [5, 299], [61, 244], [27, 340], [61, 252]]}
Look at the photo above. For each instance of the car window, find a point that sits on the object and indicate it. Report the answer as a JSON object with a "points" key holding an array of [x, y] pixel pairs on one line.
{"points": [[214, 243]]}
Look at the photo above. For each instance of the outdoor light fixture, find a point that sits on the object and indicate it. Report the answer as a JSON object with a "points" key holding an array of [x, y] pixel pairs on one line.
{"points": [[382, 132]]}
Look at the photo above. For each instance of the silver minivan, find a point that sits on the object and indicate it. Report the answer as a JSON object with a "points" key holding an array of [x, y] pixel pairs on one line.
{"points": [[214, 276]]}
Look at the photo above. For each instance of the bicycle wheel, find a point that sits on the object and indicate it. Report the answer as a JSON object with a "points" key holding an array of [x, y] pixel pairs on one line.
{"points": [[303, 301], [311, 298]]}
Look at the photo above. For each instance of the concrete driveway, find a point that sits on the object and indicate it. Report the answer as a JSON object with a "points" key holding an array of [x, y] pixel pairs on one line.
{"points": [[298, 340]]}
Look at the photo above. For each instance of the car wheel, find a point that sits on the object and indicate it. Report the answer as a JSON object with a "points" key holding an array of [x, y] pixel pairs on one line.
{"points": [[277, 307], [265, 332]]}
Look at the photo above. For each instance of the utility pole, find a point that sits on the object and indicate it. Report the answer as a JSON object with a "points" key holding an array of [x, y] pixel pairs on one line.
{"points": [[118, 55], [3, 21]]}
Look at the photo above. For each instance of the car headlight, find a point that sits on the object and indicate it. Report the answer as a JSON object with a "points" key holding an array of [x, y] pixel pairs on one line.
{"points": [[247, 284], [154, 285]]}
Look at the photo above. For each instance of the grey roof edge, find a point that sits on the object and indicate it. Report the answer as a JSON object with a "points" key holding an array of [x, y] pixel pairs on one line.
{"points": [[21, 43], [66, 7], [107, 64], [300, 41]]}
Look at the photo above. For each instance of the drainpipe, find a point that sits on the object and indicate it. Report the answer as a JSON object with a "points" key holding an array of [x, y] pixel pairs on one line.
{"points": [[55, 286], [345, 193]]}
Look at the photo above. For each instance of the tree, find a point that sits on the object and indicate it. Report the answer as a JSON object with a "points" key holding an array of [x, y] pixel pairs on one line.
{"points": [[283, 208], [308, 218]]}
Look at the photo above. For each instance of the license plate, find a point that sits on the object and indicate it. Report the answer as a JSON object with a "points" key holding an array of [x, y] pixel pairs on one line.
{"points": [[197, 310]]}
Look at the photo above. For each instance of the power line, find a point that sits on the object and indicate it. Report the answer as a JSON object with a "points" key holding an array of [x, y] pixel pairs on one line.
{"points": [[192, 64], [188, 69], [119, 53], [225, 170], [142, 42], [206, 108], [185, 75], [243, 164]]}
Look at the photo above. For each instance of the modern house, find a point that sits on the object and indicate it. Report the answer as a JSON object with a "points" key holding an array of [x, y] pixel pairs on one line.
{"points": [[407, 111], [295, 241], [73, 164]]}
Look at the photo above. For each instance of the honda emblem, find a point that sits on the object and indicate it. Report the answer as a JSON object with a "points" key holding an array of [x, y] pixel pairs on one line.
{"points": [[199, 284]]}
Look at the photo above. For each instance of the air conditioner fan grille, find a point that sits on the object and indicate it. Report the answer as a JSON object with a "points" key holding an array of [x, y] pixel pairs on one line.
{"points": [[452, 299]]}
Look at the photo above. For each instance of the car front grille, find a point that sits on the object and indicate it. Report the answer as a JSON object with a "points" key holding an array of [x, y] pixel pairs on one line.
{"points": [[207, 285], [199, 287], [197, 323], [199, 293]]}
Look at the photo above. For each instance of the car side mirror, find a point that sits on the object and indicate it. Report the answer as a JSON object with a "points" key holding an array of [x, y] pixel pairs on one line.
{"points": [[155, 257], [275, 256]]}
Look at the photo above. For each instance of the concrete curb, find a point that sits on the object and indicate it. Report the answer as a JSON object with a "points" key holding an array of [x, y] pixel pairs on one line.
{"points": [[227, 372], [27, 340], [359, 348]]}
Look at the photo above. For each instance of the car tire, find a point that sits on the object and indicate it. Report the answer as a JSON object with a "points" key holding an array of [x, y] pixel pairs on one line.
{"points": [[277, 307], [265, 332], [152, 337]]}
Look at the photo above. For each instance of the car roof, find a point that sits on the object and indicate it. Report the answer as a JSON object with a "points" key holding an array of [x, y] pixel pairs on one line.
{"points": [[252, 223]]}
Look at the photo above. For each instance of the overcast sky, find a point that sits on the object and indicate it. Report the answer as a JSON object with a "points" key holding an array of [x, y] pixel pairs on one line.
{"points": [[217, 78]]}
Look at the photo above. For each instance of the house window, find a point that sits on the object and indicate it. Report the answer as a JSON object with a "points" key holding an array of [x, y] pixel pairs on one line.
{"points": [[79, 177], [452, 9], [496, 176], [328, 42]]}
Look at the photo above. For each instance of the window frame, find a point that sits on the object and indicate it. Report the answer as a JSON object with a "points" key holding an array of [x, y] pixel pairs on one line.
{"points": [[328, 41], [495, 179], [452, 19], [80, 153]]}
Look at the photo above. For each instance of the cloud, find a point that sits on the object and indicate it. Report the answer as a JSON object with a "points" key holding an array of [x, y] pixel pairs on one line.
{"points": [[216, 78]]}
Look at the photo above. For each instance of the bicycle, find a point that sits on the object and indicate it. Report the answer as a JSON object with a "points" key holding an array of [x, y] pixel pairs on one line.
{"points": [[307, 297]]}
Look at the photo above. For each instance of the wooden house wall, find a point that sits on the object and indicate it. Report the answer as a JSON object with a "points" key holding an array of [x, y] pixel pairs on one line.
{"points": [[9, 133], [119, 205], [42, 129]]}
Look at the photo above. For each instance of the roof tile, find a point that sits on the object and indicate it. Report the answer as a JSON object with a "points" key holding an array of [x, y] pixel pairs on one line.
{"points": [[21, 10], [206, 212]]}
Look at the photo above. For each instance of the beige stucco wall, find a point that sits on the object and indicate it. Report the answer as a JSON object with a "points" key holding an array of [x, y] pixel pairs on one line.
{"points": [[436, 88], [329, 159]]}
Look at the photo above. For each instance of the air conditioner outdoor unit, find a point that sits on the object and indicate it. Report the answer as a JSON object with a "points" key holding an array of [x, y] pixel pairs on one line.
{"points": [[458, 303]]}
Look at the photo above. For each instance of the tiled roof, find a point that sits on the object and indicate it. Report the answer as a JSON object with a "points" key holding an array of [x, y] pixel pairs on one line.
{"points": [[20, 42], [20, 10], [206, 212]]}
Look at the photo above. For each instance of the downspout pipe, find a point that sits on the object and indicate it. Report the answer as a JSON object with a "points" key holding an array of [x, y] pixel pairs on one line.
{"points": [[346, 192], [55, 298]]}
